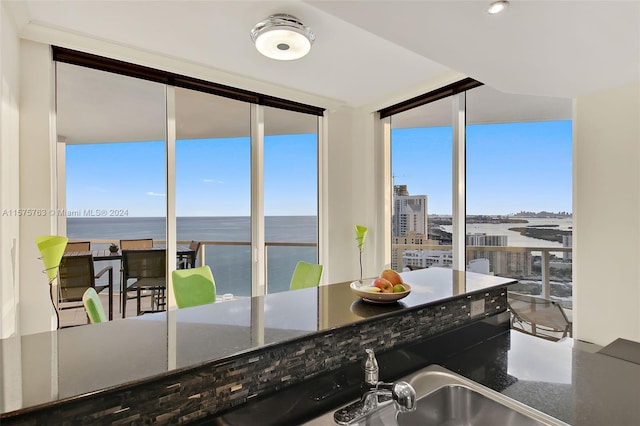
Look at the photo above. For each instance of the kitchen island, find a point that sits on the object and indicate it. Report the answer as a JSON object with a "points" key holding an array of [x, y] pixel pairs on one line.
{"points": [[192, 363]]}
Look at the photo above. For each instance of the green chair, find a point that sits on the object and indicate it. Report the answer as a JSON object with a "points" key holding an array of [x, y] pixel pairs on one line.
{"points": [[93, 306], [194, 286], [305, 275]]}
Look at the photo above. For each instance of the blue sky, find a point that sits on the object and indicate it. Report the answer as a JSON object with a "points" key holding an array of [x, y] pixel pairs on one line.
{"points": [[510, 167], [212, 177]]}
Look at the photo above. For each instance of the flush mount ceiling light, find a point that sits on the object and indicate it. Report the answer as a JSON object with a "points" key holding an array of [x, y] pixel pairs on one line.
{"points": [[282, 37], [497, 6]]}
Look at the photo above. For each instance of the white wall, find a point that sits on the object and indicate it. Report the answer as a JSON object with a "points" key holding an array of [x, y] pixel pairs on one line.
{"points": [[37, 183], [10, 361], [9, 174], [607, 215], [352, 196]]}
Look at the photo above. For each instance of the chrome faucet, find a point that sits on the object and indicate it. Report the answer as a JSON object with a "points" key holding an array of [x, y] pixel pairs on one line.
{"points": [[370, 367], [376, 395]]}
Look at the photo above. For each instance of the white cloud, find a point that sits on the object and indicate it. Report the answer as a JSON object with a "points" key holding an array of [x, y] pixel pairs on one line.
{"points": [[211, 181], [156, 194]]}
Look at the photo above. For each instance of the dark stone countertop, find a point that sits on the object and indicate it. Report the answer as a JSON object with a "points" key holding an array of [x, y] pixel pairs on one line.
{"points": [[568, 380], [71, 362]]}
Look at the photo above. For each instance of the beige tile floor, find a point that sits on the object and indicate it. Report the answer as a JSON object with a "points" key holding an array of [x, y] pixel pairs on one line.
{"points": [[77, 316]]}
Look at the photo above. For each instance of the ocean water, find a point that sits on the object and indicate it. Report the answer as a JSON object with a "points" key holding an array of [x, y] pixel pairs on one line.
{"points": [[514, 239], [231, 265]]}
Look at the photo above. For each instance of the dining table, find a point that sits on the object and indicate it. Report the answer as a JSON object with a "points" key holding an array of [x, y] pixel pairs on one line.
{"points": [[182, 252]]}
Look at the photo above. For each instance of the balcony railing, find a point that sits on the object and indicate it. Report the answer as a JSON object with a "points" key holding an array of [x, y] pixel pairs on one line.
{"points": [[235, 277], [545, 260], [279, 259]]}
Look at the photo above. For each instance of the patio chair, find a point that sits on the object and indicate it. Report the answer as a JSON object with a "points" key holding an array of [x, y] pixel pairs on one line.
{"points": [[77, 246], [76, 276], [139, 243], [538, 316], [136, 244], [93, 306], [305, 275], [148, 268], [194, 286], [189, 260]]}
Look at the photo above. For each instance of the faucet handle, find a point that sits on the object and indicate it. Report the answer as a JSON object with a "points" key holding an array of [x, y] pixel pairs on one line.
{"points": [[404, 395], [370, 366]]}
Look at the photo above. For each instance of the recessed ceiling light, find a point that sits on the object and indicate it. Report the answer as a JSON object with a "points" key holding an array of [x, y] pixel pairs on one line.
{"points": [[497, 6], [282, 37]]}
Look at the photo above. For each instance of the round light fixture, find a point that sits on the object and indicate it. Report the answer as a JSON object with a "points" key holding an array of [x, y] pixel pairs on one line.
{"points": [[282, 37], [497, 6]]}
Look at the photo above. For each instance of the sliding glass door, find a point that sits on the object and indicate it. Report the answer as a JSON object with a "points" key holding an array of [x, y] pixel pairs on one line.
{"points": [[514, 177], [519, 185], [213, 185], [112, 164], [290, 193], [245, 173]]}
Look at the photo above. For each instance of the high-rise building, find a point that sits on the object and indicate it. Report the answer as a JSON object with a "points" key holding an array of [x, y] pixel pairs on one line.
{"points": [[409, 213], [409, 224], [418, 259], [511, 263], [400, 190], [480, 239]]}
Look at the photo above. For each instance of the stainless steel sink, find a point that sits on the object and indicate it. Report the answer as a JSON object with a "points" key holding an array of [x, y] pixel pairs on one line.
{"points": [[445, 398], [459, 405]]}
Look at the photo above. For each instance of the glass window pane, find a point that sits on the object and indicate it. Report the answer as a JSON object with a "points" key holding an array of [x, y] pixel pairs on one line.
{"points": [[290, 193], [113, 186], [421, 164], [519, 186], [213, 185]]}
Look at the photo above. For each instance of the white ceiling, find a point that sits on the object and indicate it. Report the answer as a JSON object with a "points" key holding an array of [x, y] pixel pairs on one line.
{"points": [[369, 52]]}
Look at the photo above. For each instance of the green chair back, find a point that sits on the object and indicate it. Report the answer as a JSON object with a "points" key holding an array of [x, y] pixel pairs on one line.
{"points": [[305, 275], [93, 306], [51, 249], [193, 287]]}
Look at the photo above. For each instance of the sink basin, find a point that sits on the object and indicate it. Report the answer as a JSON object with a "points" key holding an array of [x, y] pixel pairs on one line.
{"points": [[445, 398], [457, 406]]}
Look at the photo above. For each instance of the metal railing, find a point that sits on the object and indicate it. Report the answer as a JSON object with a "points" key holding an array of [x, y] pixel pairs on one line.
{"points": [[201, 253], [545, 255]]}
